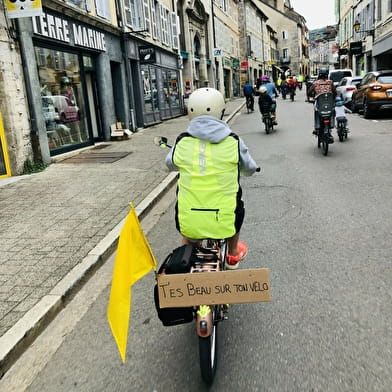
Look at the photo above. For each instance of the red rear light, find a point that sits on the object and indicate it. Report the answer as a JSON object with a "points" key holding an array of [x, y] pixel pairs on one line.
{"points": [[375, 87], [350, 88], [326, 121]]}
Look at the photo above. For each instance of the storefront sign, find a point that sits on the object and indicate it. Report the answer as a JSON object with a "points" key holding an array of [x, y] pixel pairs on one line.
{"points": [[356, 48], [236, 63], [69, 31], [244, 64], [227, 62], [23, 9], [147, 54]]}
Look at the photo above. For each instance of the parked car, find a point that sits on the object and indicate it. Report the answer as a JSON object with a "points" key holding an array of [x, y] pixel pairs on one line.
{"points": [[346, 87], [374, 93], [49, 111], [65, 109], [336, 75]]}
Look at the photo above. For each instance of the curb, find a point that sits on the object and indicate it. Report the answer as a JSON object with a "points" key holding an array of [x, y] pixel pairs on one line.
{"points": [[18, 338]]}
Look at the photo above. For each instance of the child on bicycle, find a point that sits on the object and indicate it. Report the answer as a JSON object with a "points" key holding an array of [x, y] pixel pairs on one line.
{"points": [[340, 111], [210, 158]]}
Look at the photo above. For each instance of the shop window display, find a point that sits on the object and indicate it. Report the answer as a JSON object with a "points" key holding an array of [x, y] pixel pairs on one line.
{"points": [[62, 98], [150, 88], [170, 87]]}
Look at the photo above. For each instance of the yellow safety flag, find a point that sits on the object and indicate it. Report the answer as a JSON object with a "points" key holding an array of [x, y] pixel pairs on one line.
{"points": [[134, 259]]}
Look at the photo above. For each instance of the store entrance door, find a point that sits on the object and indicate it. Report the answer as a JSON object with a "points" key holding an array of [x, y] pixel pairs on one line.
{"points": [[93, 104]]}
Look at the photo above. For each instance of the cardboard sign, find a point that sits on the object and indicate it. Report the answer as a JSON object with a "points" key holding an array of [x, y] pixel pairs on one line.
{"points": [[212, 288]]}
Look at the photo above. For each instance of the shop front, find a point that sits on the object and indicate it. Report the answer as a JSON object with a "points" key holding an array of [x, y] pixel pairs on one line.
{"points": [[155, 83], [72, 75], [63, 101]]}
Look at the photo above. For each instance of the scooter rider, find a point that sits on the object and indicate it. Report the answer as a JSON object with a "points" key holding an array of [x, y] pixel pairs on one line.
{"points": [[272, 92], [320, 86]]}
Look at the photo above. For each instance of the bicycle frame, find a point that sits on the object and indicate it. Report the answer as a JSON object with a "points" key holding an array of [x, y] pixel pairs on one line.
{"points": [[205, 317]]}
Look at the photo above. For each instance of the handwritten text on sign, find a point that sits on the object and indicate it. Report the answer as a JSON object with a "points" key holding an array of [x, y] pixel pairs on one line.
{"points": [[209, 288]]}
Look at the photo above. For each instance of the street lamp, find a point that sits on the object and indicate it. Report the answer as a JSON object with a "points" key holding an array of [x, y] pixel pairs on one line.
{"points": [[357, 28]]}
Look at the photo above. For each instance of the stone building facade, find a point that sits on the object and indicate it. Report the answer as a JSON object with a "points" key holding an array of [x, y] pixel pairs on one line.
{"points": [[70, 74]]}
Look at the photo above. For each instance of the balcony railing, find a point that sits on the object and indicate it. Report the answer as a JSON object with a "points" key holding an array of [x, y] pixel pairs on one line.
{"points": [[285, 60]]}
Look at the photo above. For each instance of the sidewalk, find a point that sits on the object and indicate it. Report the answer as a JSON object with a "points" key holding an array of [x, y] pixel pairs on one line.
{"points": [[58, 226]]}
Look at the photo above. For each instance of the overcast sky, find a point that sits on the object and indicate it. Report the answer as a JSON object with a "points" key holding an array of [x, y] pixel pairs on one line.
{"points": [[318, 13]]}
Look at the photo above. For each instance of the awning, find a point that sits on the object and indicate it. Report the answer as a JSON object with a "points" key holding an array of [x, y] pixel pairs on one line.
{"points": [[382, 46]]}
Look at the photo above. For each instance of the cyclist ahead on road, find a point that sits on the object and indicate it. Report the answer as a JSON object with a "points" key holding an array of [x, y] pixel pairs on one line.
{"points": [[272, 92], [248, 92], [210, 159]]}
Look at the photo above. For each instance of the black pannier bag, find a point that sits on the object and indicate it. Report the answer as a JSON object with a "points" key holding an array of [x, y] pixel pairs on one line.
{"points": [[179, 261]]}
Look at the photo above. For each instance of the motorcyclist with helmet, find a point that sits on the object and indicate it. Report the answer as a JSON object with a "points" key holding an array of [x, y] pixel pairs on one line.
{"points": [[320, 86], [266, 104], [272, 92], [210, 159]]}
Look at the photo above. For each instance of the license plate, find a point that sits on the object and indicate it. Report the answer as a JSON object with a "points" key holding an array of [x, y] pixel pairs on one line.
{"points": [[389, 93]]}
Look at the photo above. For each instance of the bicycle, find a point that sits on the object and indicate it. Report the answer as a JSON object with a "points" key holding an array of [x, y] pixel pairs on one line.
{"points": [[268, 122], [208, 316], [206, 256], [341, 129], [249, 103]]}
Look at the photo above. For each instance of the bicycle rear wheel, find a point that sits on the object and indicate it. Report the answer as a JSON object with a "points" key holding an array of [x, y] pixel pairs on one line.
{"points": [[324, 140], [208, 352]]}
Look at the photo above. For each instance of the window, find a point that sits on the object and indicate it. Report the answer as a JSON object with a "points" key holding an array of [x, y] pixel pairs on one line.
{"points": [[62, 98], [134, 13], [285, 53], [164, 26], [174, 29], [82, 4], [154, 25], [102, 7], [223, 4], [285, 34], [170, 89], [150, 91]]}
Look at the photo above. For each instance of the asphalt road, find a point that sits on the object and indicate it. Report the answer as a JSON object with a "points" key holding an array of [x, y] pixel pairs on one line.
{"points": [[322, 225]]}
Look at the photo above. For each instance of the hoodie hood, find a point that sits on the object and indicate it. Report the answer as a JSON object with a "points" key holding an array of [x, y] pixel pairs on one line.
{"points": [[208, 128]]}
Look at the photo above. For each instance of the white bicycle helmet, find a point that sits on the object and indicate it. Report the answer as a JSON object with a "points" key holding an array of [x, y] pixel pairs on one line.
{"points": [[262, 89], [206, 101]]}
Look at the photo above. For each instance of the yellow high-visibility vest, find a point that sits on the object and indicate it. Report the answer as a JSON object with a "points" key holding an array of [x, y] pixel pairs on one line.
{"points": [[207, 186]]}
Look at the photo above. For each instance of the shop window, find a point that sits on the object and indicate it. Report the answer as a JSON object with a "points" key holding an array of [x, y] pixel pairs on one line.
{"points": [[62, 98], [150, 90], [170, 88]]}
